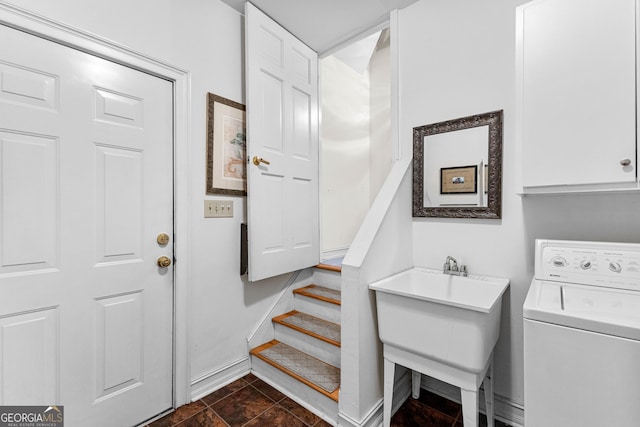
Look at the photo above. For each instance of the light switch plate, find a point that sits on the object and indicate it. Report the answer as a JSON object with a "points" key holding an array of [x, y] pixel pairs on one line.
{"points": [[218, 208]]}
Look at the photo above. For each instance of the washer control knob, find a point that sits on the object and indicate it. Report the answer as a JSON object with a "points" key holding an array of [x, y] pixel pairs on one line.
{"points": [[585, 264], [558, 261], [615, 267]]}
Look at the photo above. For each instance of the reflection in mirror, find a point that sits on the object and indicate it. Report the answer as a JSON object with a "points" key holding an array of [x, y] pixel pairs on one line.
{"points": [[454, 167], [457, 168]]}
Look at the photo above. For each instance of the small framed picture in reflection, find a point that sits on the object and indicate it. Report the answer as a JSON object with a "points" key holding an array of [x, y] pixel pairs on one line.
{"points": [[459, 180]]}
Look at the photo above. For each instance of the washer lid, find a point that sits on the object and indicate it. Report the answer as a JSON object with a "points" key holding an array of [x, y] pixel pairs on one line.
{"points": [[605, 310]]}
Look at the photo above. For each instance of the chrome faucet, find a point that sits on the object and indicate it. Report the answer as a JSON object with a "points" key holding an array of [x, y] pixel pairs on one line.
{"points": [[451, 267]]}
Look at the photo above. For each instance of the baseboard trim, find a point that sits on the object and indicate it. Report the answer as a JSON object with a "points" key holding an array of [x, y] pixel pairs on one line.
{"points": [[506, 410], [373, 418], [216, 379]]}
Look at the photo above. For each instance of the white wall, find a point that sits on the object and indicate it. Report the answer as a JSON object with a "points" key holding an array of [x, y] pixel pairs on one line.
{"points": [[204, 37], [381, 149], [345, 152], [457, 59]]}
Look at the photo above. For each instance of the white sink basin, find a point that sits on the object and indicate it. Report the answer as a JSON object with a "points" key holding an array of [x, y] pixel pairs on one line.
{"points": [[450, 319]]}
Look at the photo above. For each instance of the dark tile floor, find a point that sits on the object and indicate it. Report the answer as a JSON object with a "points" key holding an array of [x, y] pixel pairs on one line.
{"points": [[431, 410], [251, 402]]}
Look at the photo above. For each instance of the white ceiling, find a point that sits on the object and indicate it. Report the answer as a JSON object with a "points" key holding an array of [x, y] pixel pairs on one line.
{"points": [[357, 55], [325, 24]]}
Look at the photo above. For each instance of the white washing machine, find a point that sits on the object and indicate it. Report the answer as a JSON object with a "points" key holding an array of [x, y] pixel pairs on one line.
{"points": [[582, 336]]}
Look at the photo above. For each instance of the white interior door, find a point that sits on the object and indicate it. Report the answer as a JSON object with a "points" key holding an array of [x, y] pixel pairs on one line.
{"points": [[282, 129], [86, 186]]}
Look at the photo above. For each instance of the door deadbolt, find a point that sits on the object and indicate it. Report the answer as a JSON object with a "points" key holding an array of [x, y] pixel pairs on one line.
{"points": [[164, 262], [163, 239]]}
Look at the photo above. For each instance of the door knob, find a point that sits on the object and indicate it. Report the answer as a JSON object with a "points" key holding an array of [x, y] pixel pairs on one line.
{"points": [[257, 160], [625, 162], [164, 262]]}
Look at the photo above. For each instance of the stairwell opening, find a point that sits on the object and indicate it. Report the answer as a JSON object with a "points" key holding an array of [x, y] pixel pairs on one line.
{"points": [[355, 137]]}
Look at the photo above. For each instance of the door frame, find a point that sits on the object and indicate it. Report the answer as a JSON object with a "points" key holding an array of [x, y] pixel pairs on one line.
{"points": [[46, 28]]}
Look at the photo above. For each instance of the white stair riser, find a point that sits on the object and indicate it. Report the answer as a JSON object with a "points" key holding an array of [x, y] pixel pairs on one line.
{"points": [[315, 347], [311, 399], [328, 279], [318, 308]]}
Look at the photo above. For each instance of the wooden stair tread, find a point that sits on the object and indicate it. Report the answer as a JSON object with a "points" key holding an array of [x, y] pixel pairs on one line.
{"points": [[311, 325], [320, 376], [330, 267], [320, 293]]}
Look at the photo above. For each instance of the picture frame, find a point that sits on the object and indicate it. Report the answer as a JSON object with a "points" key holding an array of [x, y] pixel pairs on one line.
{"points": [[459, 180], [421, 177], [226, 147], [486, 179]]}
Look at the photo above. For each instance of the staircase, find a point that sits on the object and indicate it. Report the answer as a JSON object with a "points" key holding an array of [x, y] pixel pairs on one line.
{"points": [[303, 359]]}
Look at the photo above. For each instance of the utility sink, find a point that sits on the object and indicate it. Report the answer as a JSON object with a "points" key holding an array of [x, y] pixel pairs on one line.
{"points": [[452, 319], [441, 325]]}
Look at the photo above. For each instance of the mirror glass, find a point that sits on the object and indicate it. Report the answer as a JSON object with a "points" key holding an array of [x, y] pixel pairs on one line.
{"points": [[457, 167]]}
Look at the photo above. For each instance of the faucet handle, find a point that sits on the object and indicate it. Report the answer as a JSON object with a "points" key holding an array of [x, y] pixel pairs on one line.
{"points": [[463, 270]]}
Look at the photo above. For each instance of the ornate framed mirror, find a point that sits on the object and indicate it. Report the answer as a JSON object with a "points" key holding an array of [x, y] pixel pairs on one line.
{"points": [[457, 168]]}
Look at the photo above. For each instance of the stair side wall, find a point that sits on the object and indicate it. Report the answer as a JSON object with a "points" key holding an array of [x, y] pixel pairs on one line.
{"points": [[265, 329], [382, 248]]}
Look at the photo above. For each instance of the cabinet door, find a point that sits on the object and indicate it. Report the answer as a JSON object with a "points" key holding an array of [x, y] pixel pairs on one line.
{"points": [[576, 76]]}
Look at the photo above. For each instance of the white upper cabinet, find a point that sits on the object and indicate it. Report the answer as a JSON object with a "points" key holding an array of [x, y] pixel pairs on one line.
{"points": [[576, 95]]}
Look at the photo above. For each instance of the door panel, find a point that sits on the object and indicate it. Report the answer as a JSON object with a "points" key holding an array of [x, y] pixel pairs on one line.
{"points": [[86, 158], [29, 339], [271, 107], [28, 87], [119, 343], [28, 175], [302, 142], [282, 128], [578, 94], [119, 204], [118, 108], [303, 194]]}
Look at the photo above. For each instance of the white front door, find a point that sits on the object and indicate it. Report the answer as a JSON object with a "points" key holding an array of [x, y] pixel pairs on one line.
{"points": [[85, 189], [282, 129]]}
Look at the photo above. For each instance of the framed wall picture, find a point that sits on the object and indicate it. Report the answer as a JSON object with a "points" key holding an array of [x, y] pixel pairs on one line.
{"points": [[459, 180], [226, 147]]}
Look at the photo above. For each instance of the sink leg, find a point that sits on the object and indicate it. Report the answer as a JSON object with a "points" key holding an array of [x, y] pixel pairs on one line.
{"points": [[389, 374], [488, 395], [416, 378], [469, 407]]}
